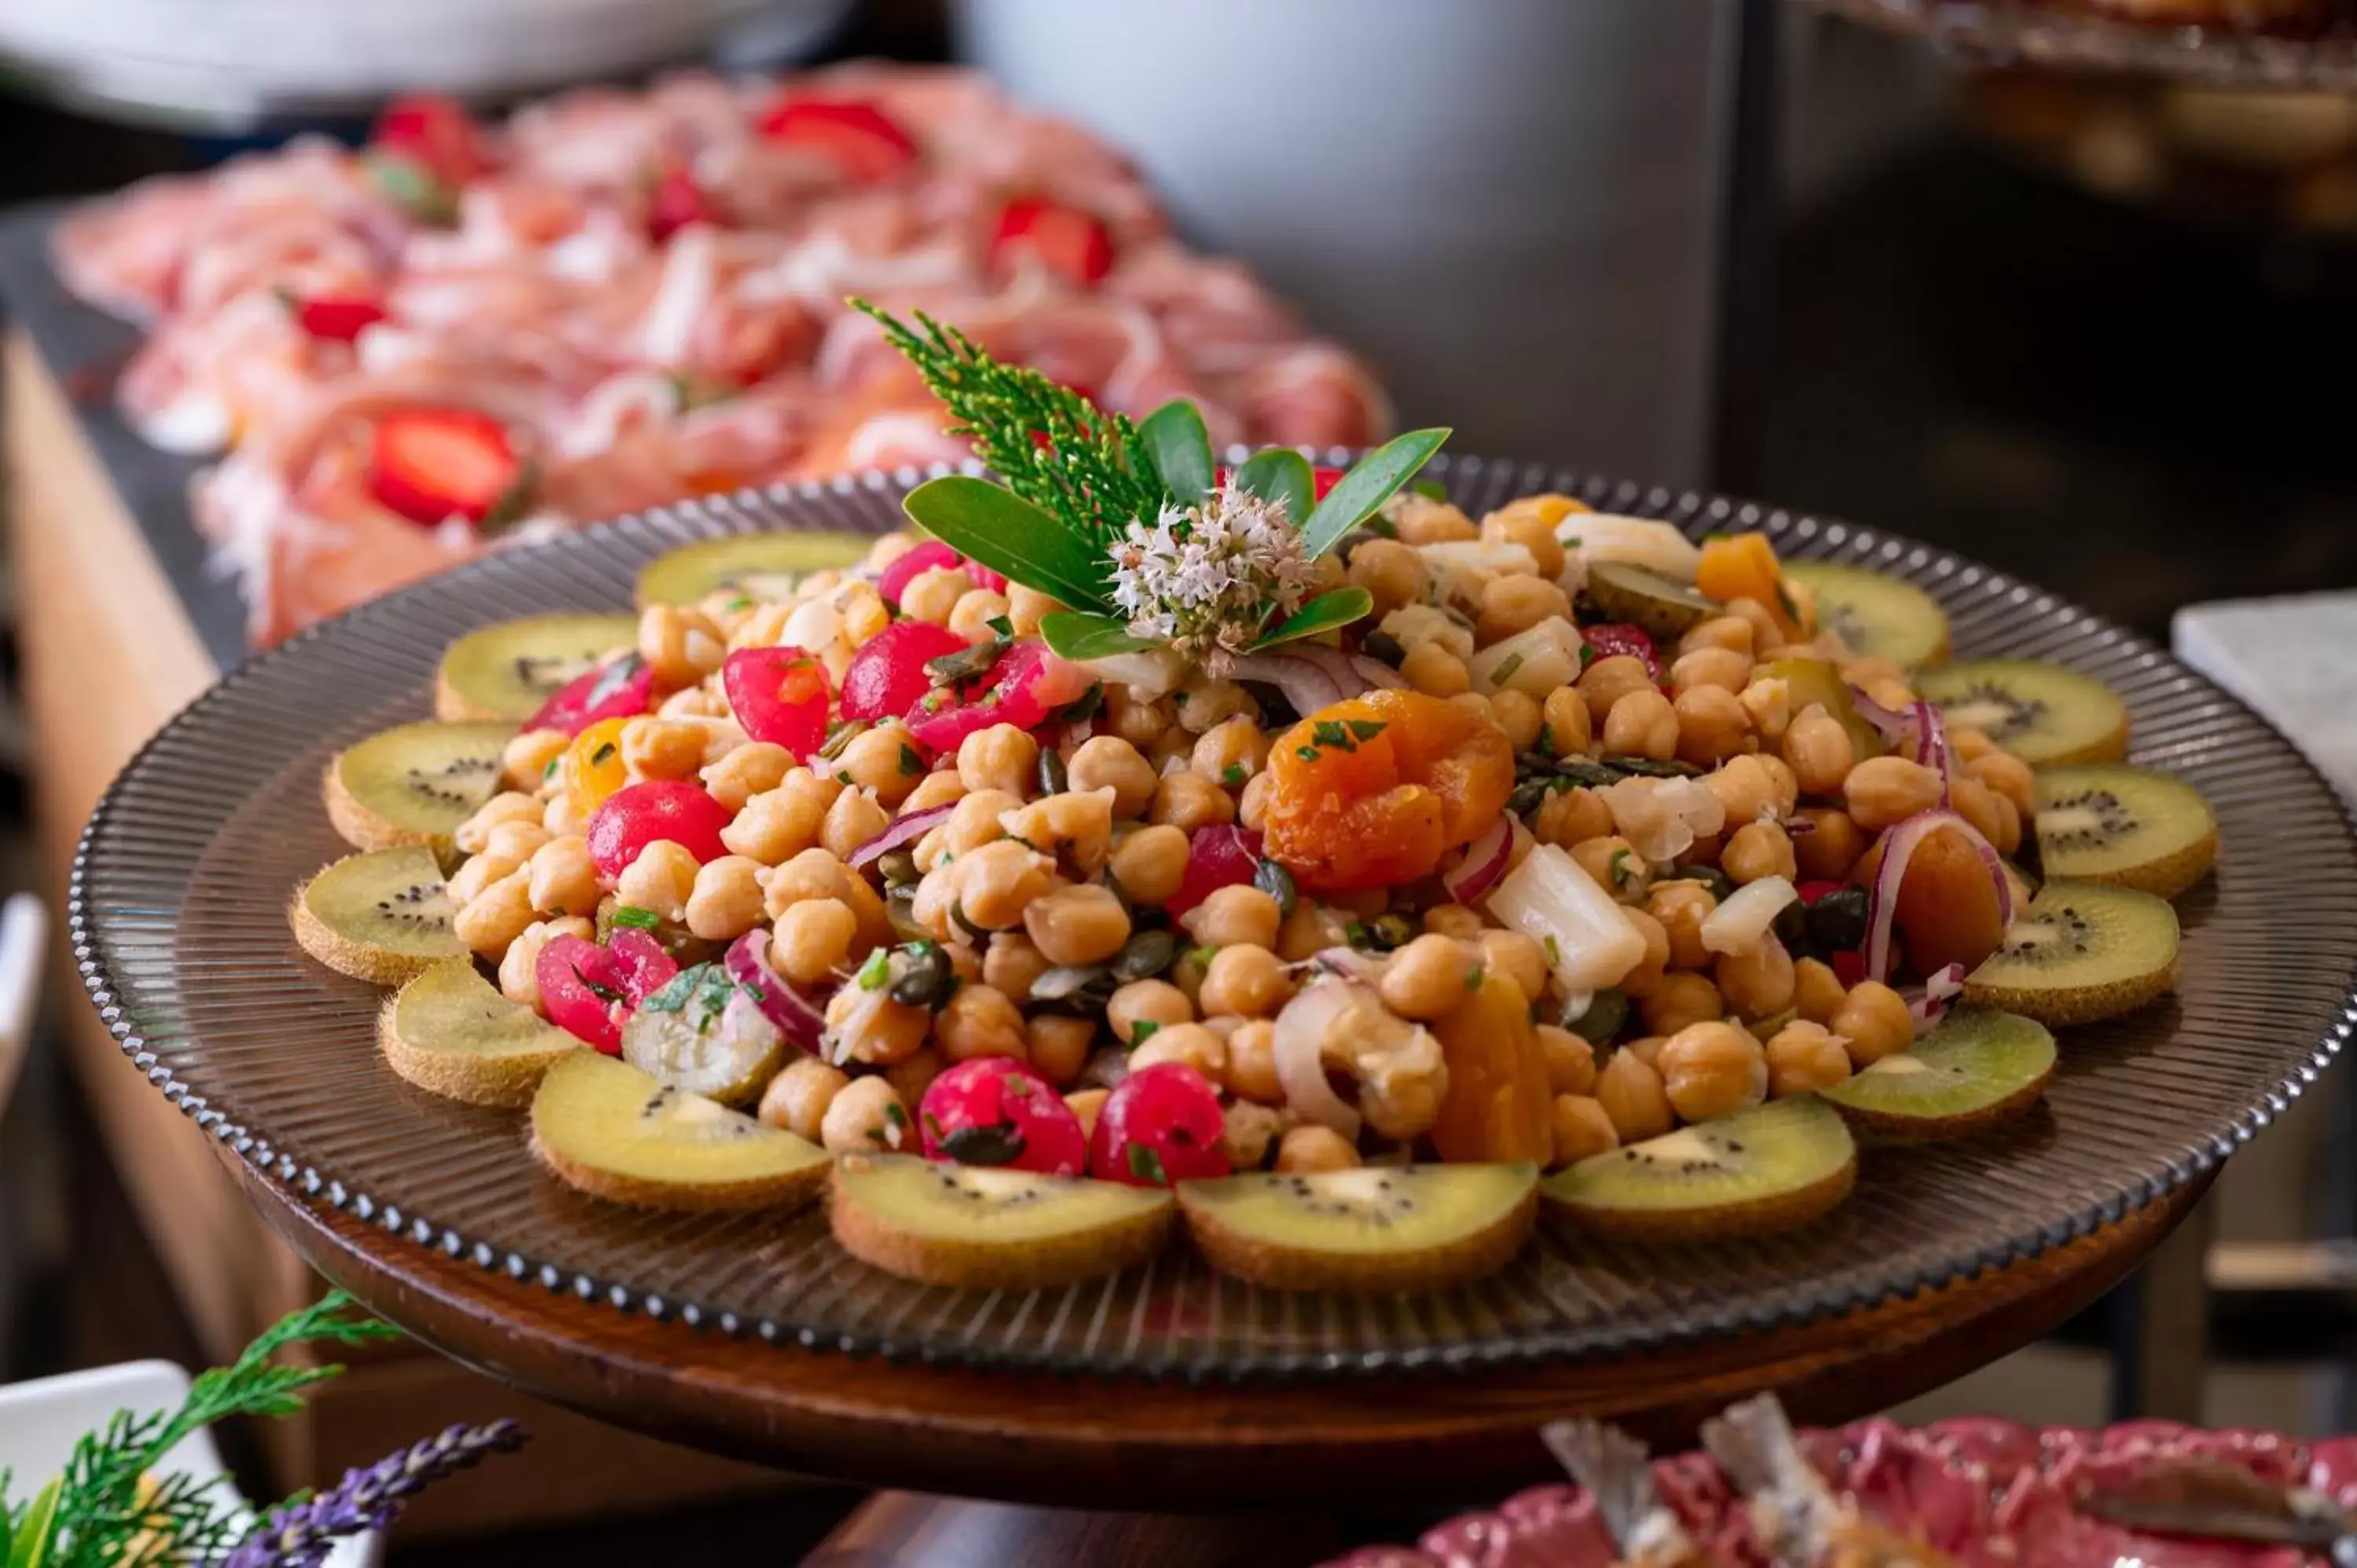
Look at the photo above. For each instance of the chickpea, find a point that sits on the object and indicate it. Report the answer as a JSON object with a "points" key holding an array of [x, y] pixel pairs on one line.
{"points": [[1108, 762], [2008, 774], [1563, 715], [662, 748], [1744, 787], [526, 762], [798, 1097], [1766, 635], [1392, 573], [1204, 704], [1817, 993], [1155, 1002], [1231, 915], [1189, 800], [813, 938], [474, 835], [1712, 725], [1244, 979], [661, 879], [1027, 607], [1080, 824], [1518, 957], [1767, 703], [1252, 1063], [725, 901], [1002, 758], [1436, 671], [1756, 849], [1891, 693], [1012, 963], [775, 825], [1251, 1132], [998, 881], [680, 646], [519, 966], [1085, 924], [1424, 521], [1680, 907], [497, 916], [1085, 1104], [1882, 791], [1615, 865], [1718, 666], [1819, 750], [746, 771], [1573, 817], [1732, 633], [1582, 1129], [980, 1021], [1804, 1057], [1571, 1061], [869, 1026], [976, 819], [866, 1116], [564, 878], [882, 760], [942, 787], [1682, 998], [1230, 752], [1061, 1046], [1173, 751], [1758, 984], [1517, 713], [1984, 807], [1829, 848], [1532, 528], [1647, 1049], [1189, 1044], [1633, 1099], [1454, 920], [1186, 973], [2009, 825], [913, 1074], [1604, 683], [1427, 978], [562, 816], [1138, 722], [1252, 806], [1873, 1023], [1515, 602], [852, 821], [1640, 982], [1308, 1149], [932, 594], [1150, 864], [971, 616], [1712, 1070], [1641, 723]]}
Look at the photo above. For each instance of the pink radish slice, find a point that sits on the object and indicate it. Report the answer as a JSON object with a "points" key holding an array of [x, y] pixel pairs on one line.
{"points": [[1882, 902], [1305, 686], [1484, 862], [1217, 857], [796, 1018], [906, 830], [1928, 1002]]}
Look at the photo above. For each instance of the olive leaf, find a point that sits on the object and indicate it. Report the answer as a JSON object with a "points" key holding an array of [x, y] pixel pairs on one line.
{"points": [[1281, 474], [1370, 483], [1182, 449], [1010, 535], [1323, 613], [1082, 636], [30, 1548]]}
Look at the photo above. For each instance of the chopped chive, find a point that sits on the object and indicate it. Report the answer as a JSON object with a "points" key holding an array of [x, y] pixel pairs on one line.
{"points": [[633, 916], [1473, 978], [1232, 774], [1142, 1031], [910, 763], [1366, 729], [1306, 753], [879, 967], [1001, 624], [1505, 670]]}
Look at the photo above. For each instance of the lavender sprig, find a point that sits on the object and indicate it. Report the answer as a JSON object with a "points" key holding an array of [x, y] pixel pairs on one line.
{"points": [[298, 1534]]}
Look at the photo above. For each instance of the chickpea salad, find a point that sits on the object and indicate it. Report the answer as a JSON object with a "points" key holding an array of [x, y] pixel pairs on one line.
{"points": [[1276, 852]]}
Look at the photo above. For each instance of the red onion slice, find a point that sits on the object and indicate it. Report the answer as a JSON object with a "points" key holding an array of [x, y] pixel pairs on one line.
{"points": [[1927, 743], [1376, 673], [1305, 687], [1333, 663], [1893, 725], [1301, 1031], [1484, 862], [904, 830], [1898, 848], [1928, 1002], [796, 1016], [1350, 963]]}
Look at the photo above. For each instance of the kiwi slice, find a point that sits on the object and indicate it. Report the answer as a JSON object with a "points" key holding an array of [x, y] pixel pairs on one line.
{"points": [[766, 565], [509, 669], [415, 784], [451, 1033], [1876, 616], [382, 916], [1774, 1167], [1374, 1228], [1975, 1067], [2083, 950], [611, 1130], [1664, 606], [2041, 712], [2123, 825], [989, 1228]]}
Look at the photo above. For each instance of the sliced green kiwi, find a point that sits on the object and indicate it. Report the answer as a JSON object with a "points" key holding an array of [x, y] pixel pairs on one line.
{"points": [[2041, 712], [1975, 1067], [2123, 825], [382, 917], [2081, 951], [1373, 1228], [606, 1128], [989, 1228], [451, 1033], [766, 565], [415, 784], [509, 669], [1664, 606], [1876, 616], [1774, 1167]]}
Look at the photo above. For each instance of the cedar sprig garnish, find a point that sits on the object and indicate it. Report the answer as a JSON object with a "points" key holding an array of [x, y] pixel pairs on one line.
{"points": [[1052, 446]]}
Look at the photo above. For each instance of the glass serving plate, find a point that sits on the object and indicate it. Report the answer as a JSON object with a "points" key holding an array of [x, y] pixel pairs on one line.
{"points": [[178, 920], [2009, 32]]}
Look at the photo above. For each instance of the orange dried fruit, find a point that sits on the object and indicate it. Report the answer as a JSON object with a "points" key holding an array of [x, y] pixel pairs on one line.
{"points": [[1744, 567], [1372, 791], [1497, 1105]]}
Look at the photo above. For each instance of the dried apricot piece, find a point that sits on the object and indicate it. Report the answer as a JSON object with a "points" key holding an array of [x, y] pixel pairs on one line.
{"points": [[1372, 791], [1744, 567], [1498, 1106]]}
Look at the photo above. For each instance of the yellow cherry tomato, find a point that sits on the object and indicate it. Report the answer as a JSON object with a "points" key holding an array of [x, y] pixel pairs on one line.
{"points": [[593, 768]]}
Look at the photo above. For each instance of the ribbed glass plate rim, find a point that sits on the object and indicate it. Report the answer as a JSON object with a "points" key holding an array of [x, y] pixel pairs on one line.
{"points": [[630, 540], [2012, 32]]}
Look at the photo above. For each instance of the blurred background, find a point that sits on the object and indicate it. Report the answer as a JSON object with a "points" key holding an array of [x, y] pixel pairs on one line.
{"points": [[2084, 328]]}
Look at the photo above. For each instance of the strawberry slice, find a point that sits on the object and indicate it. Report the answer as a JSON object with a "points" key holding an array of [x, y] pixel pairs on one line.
{"points": [[676, 202], [337, 319], [1066, 239], [434, 131], [431, 463], [854, 132]]}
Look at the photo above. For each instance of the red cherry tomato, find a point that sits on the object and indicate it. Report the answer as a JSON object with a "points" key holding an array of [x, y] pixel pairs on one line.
{"points": [[1068, 241], [676, 202], [887, 676], [338, 318], [1849, 966], [433, 464], [1323, 478], [995, 1112], [859, 136], [436, 131], [1617, 638], [1217, 857], [1025, 688], [1158, 1127], [587, 990], [620, 688], [931, 556], [638, 814], [780, 696]]}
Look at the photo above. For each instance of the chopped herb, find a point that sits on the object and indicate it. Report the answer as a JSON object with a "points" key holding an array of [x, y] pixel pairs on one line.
{"points": [[1179, 698], [1586, 655], [1621, 875], [699, 993], [1333, 733], [602, 992], [1785, 602], [740, 602], [1570, 543], [1357, 934], [602, 756], [1366, 729], [1002, 626], [1082, 708], [1473, 978], [1554, 952], [842, 775], [553, 764], [1505, 670], [897, 1121], [1201, 957], [910, 763], [1142, 1031], [1232, 774], [932, 1126], [1545, 745], [633, 916], [876, 971], [1306, 753], [1380, 526], [1147, 1165], [1430, 490]]}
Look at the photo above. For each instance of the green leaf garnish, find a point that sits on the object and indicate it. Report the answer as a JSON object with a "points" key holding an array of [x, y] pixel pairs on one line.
{"points": [[1010, 535], [1180, 449], [30, 1545], [879, 967], [1147, 1165], [1083, 637], [1281, 474], [1323, 613], [633, 916], [1430, 490], [1370, 483]]}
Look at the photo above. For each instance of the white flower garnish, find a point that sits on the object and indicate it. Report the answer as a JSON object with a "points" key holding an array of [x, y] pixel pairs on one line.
{"points": [[1205, 579]]}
